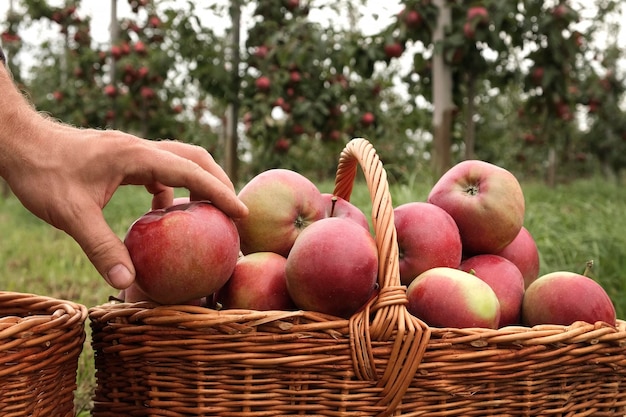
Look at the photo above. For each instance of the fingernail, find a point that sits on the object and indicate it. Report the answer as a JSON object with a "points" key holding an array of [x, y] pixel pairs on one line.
{"points": [[119, 277]]}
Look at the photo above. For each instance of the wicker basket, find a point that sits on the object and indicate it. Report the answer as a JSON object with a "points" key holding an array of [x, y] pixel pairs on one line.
{"points": [[192, 361], [41, 339]]}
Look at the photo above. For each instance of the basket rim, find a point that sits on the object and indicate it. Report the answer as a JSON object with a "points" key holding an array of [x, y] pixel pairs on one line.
{"points": [[20, 312], [156, 314]]}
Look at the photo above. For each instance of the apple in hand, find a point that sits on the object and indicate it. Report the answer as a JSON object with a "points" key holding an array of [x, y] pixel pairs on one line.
{"points": [[523, 252], [504, 278], [427, 237], [449, 297], [182, 252], [336, 206], [485, 201], [281, 204], [563, 297], [259, 282], [333, 267]]}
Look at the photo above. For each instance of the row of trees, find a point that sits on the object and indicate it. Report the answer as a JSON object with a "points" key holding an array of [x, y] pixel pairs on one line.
{"points": [[522, 83]]}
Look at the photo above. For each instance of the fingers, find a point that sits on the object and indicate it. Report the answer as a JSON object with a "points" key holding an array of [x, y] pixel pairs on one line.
{"points": [[162, 196], [198, 155], [191, 167], [102, 246]]}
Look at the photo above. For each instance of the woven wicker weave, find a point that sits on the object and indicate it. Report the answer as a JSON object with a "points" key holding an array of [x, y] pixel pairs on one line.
{"points": [[41, 339], [192, 361]]}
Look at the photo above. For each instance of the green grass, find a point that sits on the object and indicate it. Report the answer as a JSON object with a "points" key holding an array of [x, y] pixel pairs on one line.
{"points": [[572, 223]]}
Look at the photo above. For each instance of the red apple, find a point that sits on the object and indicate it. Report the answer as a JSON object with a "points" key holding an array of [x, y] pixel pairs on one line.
{"points": [[393, 50], [282, 145], [449, 297], [292, 5], [479, 13], [116, 52], [428, 237], [368, 118], [154, 22], [182, 252], [110, 90], [486, 202], [563, 11], [261, 51], [281, 204], [125, 48], [142, 71], [333, 267], [504, 278], [147, 93], [537, 75], [523, 252], [140, 48], [413, 19], [563, 297], [263, 83], [294, 77], [336, 206], [334, 135], [259, 282]]}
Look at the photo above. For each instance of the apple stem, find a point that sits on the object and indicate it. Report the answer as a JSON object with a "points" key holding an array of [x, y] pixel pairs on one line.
{"points": [[588, 267], [333, 201]]}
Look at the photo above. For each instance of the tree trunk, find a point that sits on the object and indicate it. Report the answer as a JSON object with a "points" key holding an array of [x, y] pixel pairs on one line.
{"points": [[231, 162], [442, 96], [114, 36], [470, 124]]}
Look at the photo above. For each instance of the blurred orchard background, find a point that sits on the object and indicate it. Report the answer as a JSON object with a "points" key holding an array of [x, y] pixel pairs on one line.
{"points": [[535, 86]]}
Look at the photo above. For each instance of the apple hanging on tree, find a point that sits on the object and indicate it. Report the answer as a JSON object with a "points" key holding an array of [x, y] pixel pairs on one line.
{"points": [[368, 118], [393, 49], [263, 83]]}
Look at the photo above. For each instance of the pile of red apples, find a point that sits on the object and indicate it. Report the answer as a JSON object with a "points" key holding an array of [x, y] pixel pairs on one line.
{"points": [[465, 257]]}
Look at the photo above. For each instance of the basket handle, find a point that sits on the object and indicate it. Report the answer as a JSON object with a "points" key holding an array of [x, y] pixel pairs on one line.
{"points": [[385, 317]]}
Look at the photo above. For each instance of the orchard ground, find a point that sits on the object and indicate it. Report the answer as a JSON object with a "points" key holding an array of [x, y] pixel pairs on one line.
{"points": [[572, 224]]}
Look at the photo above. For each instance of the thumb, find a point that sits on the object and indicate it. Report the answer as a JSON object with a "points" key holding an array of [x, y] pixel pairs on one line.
{"points": [[104, 249]]}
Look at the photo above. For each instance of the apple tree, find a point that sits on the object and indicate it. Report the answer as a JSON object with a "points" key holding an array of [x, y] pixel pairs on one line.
{"points": [[307, 88], [602, 96], [491, 48], [130, 83]]}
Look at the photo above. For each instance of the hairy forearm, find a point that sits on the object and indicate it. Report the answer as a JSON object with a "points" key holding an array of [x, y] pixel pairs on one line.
{"points": [[22, 128]]}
